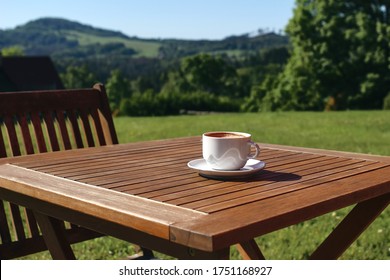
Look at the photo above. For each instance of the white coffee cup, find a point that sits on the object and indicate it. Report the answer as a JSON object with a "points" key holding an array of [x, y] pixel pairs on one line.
{"points": [[225, 150]]}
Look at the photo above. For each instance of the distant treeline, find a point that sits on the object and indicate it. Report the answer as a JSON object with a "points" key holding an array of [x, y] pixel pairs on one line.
{"points": [[336, 57], [202, 82], [62, 38]]}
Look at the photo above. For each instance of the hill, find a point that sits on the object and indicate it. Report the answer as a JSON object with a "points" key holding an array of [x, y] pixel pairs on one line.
{"points": [[59, 37], [83, 55], [64, 38]]}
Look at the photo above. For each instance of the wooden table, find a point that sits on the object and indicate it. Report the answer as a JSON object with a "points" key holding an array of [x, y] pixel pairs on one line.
{"points": [[145, 193]]}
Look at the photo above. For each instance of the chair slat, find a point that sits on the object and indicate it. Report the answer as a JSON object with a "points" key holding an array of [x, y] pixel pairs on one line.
{"points": [[87, 128], [4, 228], [28, 144], [32, 223], [98, 127], [3, 151], [12, 135], [63, 129], [75, 128], [51, 131], [106, 119], [17, 222], [37, 124]]}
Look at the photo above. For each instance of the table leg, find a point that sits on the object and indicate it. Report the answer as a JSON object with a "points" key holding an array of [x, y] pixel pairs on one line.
{"points": [[360, 217], [193, 254], [249, 250], [54, 236], [141, 253]]}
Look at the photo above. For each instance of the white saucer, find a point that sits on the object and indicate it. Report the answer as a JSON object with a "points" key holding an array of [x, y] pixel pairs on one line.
{"points": [[252, 166]]}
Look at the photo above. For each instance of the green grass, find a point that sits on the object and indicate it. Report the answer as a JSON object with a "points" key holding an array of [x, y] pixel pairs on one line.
{"points": [[143, 48], [355, 131]]}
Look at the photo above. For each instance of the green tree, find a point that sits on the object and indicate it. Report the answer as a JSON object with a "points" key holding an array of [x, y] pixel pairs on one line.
{"points": [[118, 87], [258, 99], [12, 51], [208, 73], [202, 83], [78, 77], [340, 53]]}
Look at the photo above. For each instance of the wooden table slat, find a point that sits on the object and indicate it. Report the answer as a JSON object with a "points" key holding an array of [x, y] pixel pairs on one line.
{"points": [[279, 189], [76, 155], [116, 158], [178, 195], [147, 189], [169, 186], [146, 215], [279, 211]]}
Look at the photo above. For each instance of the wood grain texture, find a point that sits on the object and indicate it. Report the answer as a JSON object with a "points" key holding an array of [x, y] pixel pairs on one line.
{"points": [[47, 121], [148, 187], [135, 212]]}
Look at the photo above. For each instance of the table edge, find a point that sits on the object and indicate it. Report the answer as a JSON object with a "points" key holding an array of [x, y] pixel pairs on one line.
{"points": [[150, 216]]}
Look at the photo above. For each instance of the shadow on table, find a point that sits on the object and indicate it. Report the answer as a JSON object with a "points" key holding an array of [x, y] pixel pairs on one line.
{"points": [[263, 175]]}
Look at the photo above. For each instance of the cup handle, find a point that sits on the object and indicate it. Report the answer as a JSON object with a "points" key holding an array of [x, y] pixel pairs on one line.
{"points": [[257, 150]]}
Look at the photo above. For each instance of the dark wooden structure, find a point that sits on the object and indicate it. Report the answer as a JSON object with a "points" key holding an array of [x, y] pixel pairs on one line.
{"points": [[26, 73], [145, 193], [47, 121]]}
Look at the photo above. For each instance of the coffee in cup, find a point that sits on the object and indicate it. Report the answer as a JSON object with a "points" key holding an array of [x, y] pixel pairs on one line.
{"points": [[224, 150]]}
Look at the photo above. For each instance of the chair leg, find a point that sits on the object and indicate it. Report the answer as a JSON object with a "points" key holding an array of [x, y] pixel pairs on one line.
{"points": [[141, 254], [350, 228], [54, 236], [249, 250]]}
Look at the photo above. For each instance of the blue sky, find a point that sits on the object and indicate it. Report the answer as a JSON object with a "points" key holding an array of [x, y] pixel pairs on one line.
{"points": [[195, 19]]}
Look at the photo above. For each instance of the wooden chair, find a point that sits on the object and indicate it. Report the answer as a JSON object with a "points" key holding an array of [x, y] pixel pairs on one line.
{"points": [[45, 121]]}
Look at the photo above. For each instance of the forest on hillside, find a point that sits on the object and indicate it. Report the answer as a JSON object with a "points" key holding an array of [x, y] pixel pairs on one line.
{"points": [[335, 57], [152, 77]]}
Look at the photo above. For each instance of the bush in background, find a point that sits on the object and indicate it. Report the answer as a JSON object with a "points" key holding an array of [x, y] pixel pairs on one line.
{"points": [[386, 102]]}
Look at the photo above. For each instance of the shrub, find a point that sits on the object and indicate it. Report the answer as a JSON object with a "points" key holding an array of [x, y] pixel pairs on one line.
{"points": [[150, 104], [386, 102]]}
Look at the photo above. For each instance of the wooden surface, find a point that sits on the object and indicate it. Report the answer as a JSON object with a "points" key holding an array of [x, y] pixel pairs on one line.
{"points": [[148, 187], [43, 121]]}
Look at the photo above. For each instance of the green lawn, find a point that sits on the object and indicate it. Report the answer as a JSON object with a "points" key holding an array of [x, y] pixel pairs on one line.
{"points": [[143, 48], [356, 131]]}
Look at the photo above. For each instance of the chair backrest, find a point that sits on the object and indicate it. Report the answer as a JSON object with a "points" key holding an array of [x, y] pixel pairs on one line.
{"points": [[44, 121]]}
